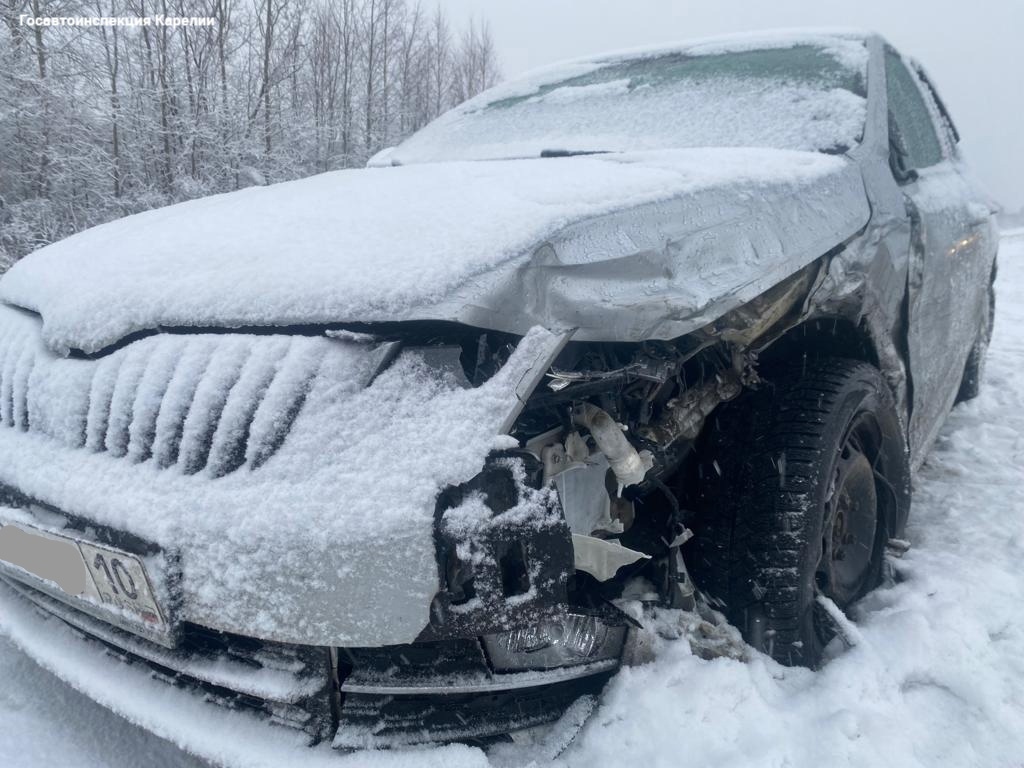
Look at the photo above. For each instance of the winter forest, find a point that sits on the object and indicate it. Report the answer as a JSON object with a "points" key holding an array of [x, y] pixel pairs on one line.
{"points": [[104, 121]]}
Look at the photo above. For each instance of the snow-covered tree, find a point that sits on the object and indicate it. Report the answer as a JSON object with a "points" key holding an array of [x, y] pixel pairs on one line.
{"points": [[100, 122]]}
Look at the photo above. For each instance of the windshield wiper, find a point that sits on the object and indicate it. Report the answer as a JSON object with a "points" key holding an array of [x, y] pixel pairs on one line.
{"points": [[573, 152]]}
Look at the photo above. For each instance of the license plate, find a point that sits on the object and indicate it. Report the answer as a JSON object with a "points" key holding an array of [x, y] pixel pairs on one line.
{"points": [[98, 575]]}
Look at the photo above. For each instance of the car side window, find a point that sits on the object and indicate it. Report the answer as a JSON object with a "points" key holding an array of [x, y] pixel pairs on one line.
{"points": [[947, 119], [911, 127]]}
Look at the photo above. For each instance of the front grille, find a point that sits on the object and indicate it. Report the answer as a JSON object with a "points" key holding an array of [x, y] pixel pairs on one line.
{"points": [[213, 402], [287, 685]]}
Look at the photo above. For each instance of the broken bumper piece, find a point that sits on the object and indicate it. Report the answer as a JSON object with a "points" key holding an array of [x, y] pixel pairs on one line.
{"points": [[448, 691]]}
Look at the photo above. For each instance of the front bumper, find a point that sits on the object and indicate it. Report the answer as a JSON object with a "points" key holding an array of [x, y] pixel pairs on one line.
{"points": [[354, 698], [218, 734]]}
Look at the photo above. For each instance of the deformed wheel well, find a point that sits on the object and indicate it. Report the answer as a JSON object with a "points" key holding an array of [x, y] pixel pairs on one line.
{"points": [[821, 337]]}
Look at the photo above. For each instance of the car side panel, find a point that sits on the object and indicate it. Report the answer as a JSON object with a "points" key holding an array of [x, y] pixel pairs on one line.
{"points": [[947, 282], [953, 244]]}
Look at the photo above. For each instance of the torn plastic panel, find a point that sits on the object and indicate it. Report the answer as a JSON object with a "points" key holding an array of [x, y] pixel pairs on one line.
{"points": [[601, 558], [504, 552]]}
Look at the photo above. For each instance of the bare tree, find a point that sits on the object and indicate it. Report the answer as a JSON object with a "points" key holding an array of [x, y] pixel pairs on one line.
{"points": [[42, 183], [439, 62], [112, 60], [476, 67], [268, 12]]}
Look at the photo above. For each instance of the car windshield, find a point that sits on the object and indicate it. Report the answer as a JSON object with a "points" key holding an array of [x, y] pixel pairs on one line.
{"points": [[804, 96]]}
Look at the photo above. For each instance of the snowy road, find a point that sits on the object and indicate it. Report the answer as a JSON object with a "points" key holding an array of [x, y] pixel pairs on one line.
{"points": [[937, 677]]}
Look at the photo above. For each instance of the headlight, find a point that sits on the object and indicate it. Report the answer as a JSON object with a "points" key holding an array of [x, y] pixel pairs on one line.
{"points": [[577, 639]]}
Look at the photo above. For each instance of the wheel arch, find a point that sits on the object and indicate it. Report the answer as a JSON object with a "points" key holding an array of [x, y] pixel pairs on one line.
{"points": [[866, 338], [822, 336]]}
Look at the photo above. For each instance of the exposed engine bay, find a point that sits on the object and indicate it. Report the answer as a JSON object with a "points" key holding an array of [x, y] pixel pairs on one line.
{"points": [[597, 500]]}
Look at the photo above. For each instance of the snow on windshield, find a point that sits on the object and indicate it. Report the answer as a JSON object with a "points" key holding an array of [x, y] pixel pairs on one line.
{"points": [[806, 96]]}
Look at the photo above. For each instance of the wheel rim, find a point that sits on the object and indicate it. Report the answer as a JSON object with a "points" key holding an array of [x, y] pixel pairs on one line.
{"points": [[850, 531]]}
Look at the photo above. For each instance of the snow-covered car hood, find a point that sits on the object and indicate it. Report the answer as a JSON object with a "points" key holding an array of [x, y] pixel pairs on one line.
{"points": [[622, 247]]}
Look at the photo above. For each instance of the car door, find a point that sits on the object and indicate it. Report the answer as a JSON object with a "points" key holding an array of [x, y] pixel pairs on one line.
{"points": [[948, 262]]}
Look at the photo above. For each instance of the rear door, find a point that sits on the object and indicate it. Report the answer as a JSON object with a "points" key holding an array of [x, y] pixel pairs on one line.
{"points": [[950, 246]]}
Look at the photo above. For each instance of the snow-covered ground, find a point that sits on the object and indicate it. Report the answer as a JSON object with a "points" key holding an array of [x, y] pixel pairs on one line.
{"points": [[936, 677], [43, 722]]}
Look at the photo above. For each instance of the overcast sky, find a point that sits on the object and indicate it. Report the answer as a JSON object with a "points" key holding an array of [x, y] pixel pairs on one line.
{"points": [[973, 50]]}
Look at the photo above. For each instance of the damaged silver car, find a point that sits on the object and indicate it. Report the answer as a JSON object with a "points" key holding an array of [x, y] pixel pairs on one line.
{"points": [[408, 453]]}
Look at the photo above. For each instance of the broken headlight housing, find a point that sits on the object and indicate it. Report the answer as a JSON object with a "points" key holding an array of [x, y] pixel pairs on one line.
{"points": [[575, 639]]}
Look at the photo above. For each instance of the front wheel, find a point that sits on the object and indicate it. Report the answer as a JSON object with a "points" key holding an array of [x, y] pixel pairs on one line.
{"points": [[809, 480]]}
